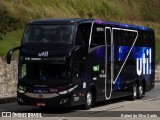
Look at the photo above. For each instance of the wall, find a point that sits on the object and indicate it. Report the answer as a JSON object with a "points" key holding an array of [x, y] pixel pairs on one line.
{"points": [[8, 78]]}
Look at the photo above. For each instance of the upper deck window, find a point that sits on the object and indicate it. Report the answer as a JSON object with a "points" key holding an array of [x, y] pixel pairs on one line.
{"points": [[83, 33], [49, 34]]}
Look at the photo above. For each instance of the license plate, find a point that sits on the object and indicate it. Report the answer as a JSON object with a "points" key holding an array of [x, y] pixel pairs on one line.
{"points": [[41, 104]]}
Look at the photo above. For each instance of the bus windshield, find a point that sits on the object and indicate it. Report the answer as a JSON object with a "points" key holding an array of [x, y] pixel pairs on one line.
{"points": [[49, 34], [48, 72]]}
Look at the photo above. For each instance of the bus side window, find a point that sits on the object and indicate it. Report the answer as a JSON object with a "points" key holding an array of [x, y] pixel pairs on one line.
{"points": [[98, 36], [145, 39], [122, 39], [108, 37], [83, 33], [130, 39], [151, 38], [140, 39], [116, 37], [98, 40]]}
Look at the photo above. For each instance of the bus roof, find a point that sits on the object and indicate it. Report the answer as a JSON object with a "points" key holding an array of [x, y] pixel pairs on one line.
{"points": [[61, 21], [82, 20], [121, 25]]}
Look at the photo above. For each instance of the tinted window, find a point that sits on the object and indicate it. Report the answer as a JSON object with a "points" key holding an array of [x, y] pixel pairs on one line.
{"points": [[124, 38], [108, 37], [83, 33], [98, 35], [49, 34]]}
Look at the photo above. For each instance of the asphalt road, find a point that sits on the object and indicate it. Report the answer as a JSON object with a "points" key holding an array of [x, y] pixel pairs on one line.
{"points": [[148, 107]]}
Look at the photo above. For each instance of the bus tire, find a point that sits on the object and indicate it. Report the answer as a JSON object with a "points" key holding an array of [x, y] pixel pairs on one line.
{"points": [[140, 91], [88, 100], [134, 92], [19, 103]]}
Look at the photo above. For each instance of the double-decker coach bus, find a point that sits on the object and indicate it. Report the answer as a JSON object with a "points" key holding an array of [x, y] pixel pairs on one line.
{"points": [[69, 62]]}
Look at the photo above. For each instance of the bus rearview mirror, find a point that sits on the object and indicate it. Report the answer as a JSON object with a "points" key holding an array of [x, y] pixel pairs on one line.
{"points": [[9, 54]]}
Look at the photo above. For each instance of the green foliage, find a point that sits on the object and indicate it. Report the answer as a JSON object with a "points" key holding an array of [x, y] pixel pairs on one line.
{"points": [[7, 23], [158, 51], [13, 39], [111, 10]]}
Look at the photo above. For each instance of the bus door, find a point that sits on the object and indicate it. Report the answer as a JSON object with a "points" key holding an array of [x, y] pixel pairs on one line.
{"points": [[108, 63], [100, 60], [96, 62]]}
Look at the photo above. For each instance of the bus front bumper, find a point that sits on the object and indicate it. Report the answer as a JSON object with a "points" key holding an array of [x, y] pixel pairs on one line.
{"points": [[48, 100]]}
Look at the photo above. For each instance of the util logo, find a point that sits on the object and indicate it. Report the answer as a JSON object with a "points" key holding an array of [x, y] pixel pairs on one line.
{"points": [[43, 54], [144, 63]]}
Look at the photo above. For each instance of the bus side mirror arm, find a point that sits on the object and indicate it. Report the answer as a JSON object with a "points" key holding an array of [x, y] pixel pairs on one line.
{"points": [[10, 52]]}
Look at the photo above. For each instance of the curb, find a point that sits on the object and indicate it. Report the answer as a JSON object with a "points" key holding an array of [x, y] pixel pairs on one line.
{"points": [[8, 100]]}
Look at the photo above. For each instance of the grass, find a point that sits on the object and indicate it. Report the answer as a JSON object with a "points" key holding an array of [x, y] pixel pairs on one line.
{"points": [[118, 10], [11, 40], [157, 51], [138, 12]]}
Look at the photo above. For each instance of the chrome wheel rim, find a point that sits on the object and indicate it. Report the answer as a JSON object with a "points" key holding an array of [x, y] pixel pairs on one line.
{"points": [[89, 98], [140, 90], [134, 92]]}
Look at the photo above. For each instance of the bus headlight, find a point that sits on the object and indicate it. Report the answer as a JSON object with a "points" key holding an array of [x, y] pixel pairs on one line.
{"points": [[68, 90]]}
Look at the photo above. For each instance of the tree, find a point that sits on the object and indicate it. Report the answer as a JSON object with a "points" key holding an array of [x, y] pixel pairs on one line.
{"points": [[7, 23]]}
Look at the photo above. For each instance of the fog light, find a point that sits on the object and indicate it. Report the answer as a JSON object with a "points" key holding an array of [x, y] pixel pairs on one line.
{"points": [[64, 101]]}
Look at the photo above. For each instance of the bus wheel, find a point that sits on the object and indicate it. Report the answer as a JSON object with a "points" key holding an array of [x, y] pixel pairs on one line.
{"points": [[89, 100], [134, 92], [140, 91]]}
